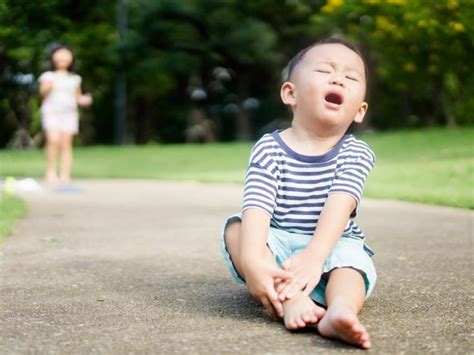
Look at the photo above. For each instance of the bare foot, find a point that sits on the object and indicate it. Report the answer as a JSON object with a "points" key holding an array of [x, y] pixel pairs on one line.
{"points": [[342, 323], [51, 178], [64, 180], [300, 311]]}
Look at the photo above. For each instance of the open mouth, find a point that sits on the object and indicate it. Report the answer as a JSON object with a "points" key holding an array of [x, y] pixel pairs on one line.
{"points": [[334, 98]]}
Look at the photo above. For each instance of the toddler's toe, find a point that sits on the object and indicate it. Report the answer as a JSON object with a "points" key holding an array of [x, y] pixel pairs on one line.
{"points": [[313, 317], [366, 344]]}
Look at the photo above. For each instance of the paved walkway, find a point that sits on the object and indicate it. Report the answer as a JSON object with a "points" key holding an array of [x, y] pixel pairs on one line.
{"points": [[135, 267]]}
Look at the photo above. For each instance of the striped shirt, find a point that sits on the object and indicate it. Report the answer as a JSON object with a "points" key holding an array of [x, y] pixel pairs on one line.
{"points": [[292, 188]]}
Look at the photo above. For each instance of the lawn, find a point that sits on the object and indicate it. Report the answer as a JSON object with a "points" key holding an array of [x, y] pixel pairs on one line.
{"points": [[12, 208], [429, 166]]}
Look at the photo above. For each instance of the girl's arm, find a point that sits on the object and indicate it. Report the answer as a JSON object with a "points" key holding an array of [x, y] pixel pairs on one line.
{"points": [[45, 88], [83, 100], [78, 93]]}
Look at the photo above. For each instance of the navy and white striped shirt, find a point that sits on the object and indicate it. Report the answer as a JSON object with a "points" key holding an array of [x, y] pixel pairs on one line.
{"points": [[292, 188]]}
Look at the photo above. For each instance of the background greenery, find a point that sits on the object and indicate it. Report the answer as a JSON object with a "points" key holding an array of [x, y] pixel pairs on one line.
{"points": [[430, 165], [419, 51]]}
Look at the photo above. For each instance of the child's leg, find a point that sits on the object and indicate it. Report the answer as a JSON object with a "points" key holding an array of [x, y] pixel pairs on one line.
{"points": [[51, 150], [345, 296], [298, 311], [66, 157]]}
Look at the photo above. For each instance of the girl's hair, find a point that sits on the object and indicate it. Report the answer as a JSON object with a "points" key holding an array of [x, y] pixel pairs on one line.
{"points": [[49, 65]]}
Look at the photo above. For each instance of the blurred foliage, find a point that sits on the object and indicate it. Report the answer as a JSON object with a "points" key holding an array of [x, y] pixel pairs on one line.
{"points": [[28, 29], [419, 53]]}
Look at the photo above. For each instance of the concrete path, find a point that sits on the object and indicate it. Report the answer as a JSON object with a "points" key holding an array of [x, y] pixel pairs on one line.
{"points": [[135, 267]]}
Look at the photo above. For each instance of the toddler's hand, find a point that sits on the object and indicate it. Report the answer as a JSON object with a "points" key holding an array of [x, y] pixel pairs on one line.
{"points": [[306, 271], [260, 278]]}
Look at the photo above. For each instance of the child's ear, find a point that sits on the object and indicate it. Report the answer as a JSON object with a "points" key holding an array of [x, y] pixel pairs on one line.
{"points": [[287, 94], [359, 117]]}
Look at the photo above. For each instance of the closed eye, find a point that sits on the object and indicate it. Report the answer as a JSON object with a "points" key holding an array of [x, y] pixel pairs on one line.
{"points": [[351, 78], [323, 71]]}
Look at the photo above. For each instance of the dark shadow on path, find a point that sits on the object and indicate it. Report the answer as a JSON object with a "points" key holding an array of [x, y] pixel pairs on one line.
{"points": [[195, 295]]}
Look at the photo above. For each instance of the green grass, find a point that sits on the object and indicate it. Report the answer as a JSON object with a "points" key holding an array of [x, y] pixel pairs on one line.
{"points": [[206, 163], [429, 166], [12, 208]]}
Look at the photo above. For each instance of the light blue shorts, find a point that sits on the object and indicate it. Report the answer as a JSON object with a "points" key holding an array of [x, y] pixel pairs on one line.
{"points": [[348, 252]]}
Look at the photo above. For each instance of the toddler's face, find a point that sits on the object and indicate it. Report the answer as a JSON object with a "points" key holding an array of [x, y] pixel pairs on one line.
{"points": [[62, 58], [329, 86]]}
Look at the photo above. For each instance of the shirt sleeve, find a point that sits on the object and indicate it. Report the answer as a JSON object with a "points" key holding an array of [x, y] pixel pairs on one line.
{"points": [[47, 75], [261, 184], [352, 174], [78, 80]]}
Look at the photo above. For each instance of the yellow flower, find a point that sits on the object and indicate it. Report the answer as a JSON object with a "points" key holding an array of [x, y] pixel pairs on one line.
{"points": [[335, 3], [326, 9], [453, 4], [457, 26], [422, 24], [409, 67], [396, 2], [384, 24]]}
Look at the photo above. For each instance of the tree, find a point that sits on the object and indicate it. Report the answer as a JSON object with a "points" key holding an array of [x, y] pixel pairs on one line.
{"points": [[420, 55], [234, 52]]}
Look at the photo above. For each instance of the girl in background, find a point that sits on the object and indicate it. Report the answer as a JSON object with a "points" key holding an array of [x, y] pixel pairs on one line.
{"points": [[60, 89]]}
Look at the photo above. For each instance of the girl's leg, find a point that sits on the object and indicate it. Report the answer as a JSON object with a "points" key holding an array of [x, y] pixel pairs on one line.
{"points": [[345, 297], [51, 150], [66, 157]]}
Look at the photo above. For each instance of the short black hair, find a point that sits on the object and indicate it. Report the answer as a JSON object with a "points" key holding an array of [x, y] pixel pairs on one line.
{"points": [[290, 68], [54, 48]]}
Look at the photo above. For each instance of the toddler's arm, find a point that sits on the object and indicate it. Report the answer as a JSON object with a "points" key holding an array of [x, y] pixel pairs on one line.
{"points": [[260, 274], [306, 267]]}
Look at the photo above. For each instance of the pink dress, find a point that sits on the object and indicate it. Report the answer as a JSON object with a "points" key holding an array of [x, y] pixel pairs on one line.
{"points": [[59, 109]]}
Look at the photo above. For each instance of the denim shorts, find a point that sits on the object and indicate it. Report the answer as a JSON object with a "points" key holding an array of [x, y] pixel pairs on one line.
{"points": [[348, 252]]}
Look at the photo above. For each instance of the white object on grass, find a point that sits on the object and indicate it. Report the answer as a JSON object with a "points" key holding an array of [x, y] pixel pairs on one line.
{"points": [[12, 185]]}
